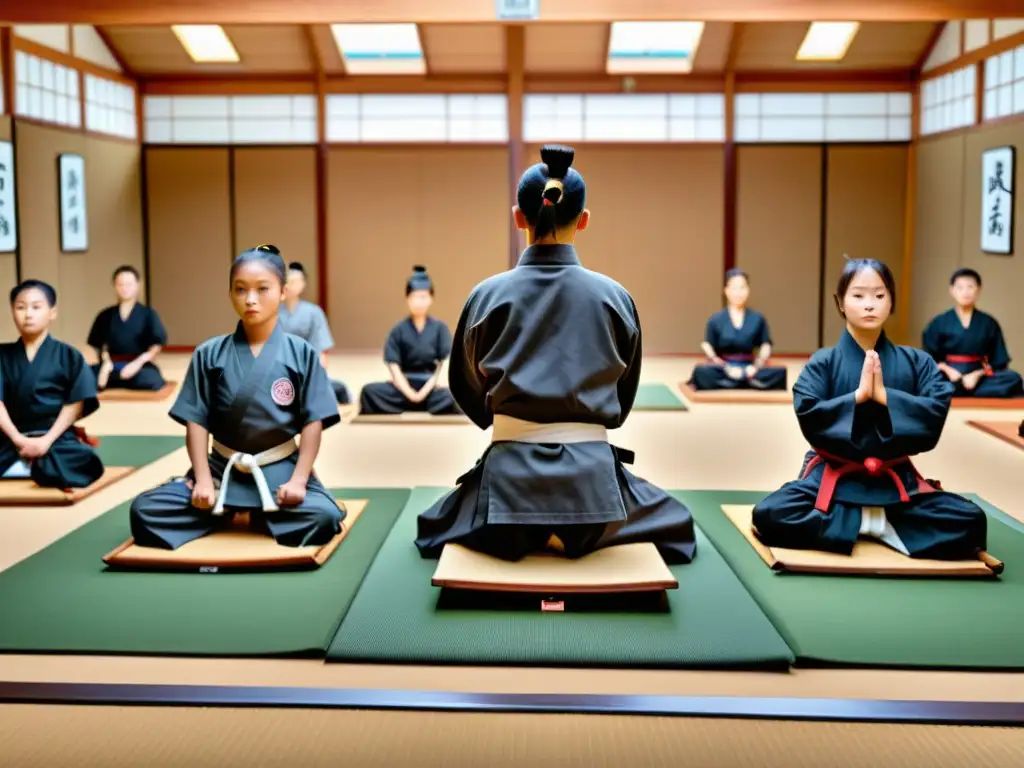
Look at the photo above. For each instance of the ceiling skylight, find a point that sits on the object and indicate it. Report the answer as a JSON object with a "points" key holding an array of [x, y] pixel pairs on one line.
{"points": [[206, 43], [653, 46], [827, 40], [380, 49]]}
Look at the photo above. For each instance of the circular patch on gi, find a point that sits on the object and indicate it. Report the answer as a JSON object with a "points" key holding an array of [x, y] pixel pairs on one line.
{"points": [[282, 392]]}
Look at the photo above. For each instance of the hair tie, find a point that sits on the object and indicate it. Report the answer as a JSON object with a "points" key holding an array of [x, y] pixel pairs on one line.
{"points": [[555, 184]]}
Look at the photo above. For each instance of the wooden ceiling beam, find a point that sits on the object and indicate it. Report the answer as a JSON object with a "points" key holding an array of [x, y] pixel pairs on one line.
{"points": [[118, 56], [110, 12], [316, 58]]}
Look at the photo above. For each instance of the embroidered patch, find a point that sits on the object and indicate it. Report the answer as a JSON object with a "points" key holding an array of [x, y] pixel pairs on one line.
{"points": [[282, 392]]}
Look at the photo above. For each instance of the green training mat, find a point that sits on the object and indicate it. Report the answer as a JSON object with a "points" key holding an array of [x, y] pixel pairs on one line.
{"points": [[713, 621], [658, 397], [65, 600], [135, 450], [950, 623]]}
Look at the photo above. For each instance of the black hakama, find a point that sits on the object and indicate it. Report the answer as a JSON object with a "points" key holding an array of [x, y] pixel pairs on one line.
{"points": [[249, 405], [418, 354], [738, 347], [979, 345], [860, 459], [126, 339], [551, 343], [34, 394]]}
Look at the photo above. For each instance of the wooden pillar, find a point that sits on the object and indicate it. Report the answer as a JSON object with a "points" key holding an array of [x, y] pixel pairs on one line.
{"points": [[903, 293], [322, 157], [7, 66], [515, 43], [729, 255]]}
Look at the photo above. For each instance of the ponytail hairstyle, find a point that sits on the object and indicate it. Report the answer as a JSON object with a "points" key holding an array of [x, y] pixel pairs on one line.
{"points": [[269, 255], [551, 194], [419, 280]]}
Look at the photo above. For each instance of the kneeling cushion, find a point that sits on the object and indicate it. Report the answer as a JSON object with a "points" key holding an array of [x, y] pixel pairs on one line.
{"points": [[234, 547], [25, 493], [735, 396], [869, 558], [626, 568], [995, 403], [119, 393]]}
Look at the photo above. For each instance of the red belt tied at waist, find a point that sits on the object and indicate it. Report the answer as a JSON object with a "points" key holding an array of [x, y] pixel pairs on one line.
{"points": [[738, 358], [122, 358], [837, 467], [968, 359]]}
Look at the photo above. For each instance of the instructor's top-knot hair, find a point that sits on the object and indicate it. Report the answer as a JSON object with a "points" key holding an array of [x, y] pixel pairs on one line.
{"points": [[268, 255], [551, 194], [419, 280]]}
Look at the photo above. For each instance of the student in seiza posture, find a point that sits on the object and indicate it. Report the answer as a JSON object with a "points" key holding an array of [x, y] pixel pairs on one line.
{"points": [[968, 344], [253, 391], [307, 321], [866, 406], [549, 354], [45, 387], [737, 343], [127, 338], [414, 353]]}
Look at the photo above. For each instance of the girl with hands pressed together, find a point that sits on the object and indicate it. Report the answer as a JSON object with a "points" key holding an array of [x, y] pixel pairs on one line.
{"points": [[866, 406]]}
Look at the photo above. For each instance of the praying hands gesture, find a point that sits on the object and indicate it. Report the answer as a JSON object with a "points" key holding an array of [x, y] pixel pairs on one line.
{"points": [[871, 384]]}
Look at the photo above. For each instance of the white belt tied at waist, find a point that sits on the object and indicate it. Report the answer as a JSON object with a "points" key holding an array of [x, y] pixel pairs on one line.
{"points": [[509, 429], [253, 465]]}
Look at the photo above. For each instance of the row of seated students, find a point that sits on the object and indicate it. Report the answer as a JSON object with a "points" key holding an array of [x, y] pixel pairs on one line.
{"points": [[550, 478]]}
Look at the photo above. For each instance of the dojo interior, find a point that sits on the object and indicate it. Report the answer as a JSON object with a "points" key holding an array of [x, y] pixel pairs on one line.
{"points": [[747, 157]]}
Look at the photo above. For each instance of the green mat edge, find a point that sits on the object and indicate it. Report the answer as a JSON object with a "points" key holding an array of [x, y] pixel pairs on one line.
{"points": [[779, 665], [728, 554], [337, 493], [353, 493], [677, 402]]}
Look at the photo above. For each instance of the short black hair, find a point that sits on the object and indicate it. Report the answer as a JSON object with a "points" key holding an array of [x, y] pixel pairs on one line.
{"points": [[419, 280], [966, 272], [856, 266], [736, 272], [123, 269], [296, 266], [27, 285], [551, 194], [266, 254]]}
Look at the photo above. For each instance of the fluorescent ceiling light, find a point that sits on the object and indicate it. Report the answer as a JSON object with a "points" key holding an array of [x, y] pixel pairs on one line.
{"points": [[827, 40], [653, 46], [380, 49], [206, 43]]}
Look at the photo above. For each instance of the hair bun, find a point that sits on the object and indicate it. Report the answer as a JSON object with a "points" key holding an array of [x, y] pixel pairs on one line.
{"points": [[558, 159], [297, 266], [269, 248], [420, 269]]}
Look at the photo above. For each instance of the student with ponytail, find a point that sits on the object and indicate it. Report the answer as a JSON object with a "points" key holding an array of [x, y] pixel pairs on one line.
{"points": [[548, 355]]}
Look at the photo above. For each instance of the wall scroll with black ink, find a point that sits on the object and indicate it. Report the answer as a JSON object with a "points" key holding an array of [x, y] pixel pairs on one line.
{"points": [[997, 198], [74, 218], [8, 200]]}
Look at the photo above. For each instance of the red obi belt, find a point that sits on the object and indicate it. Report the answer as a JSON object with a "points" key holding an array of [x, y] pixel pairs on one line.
{"points": [[968, 359], [738, 358], [122, 358], [836, 468]]}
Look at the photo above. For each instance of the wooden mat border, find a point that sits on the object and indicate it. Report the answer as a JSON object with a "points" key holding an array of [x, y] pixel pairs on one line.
{"points": [[736, 396], [322, 555], [74, 496], [975, 713], [986, 426], [994, 565], [122, 395], [991, 403]]}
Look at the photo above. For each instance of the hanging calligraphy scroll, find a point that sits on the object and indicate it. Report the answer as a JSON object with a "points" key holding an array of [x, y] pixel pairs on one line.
{"points": [[74, 223], [997, 177], [8, 215]]}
